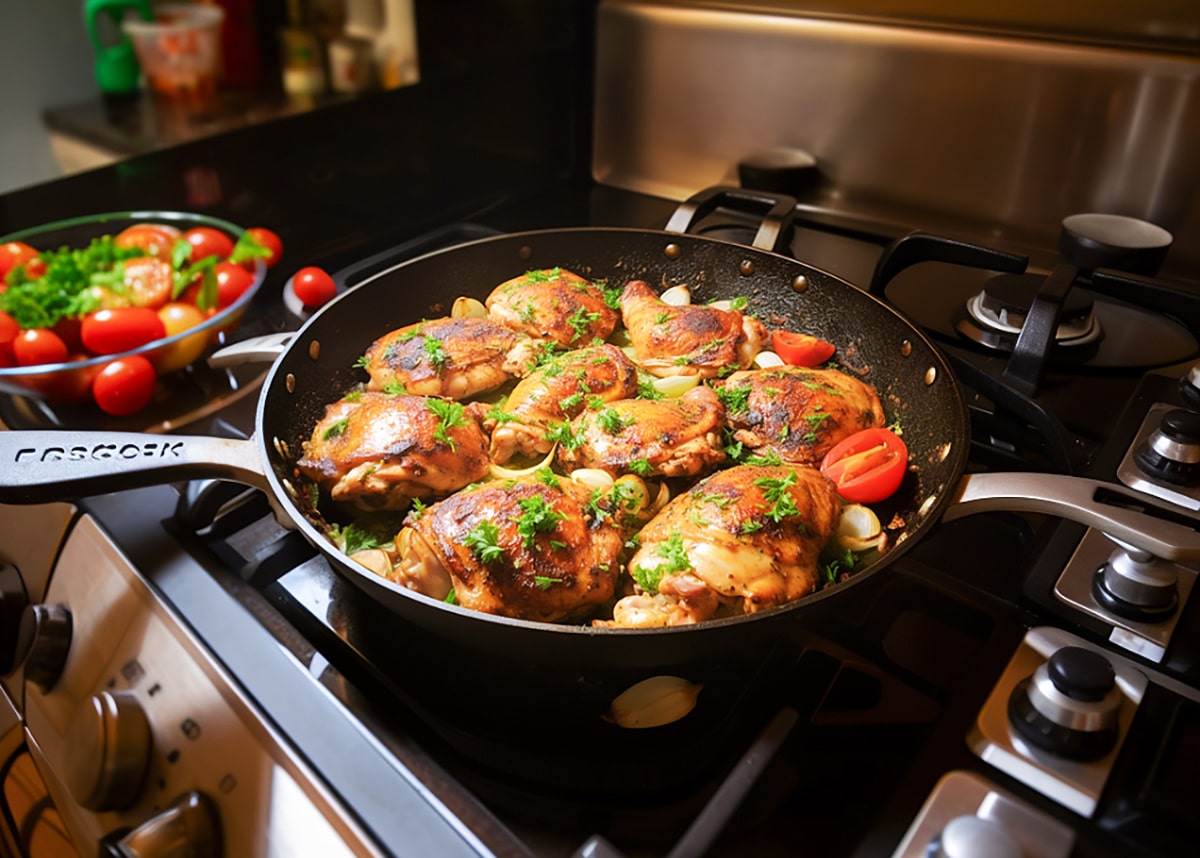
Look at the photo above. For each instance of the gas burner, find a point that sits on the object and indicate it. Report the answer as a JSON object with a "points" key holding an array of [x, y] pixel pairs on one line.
{"points": [[996, 315]]}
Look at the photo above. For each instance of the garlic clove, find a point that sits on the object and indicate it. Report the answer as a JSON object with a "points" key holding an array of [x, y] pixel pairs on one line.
{"points": [[593, 478], [675, 385], [654, 702], [767, 359], [468, 308]]}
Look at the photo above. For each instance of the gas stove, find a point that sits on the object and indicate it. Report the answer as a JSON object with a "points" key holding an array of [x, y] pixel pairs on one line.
{"points": [[189, 669]]}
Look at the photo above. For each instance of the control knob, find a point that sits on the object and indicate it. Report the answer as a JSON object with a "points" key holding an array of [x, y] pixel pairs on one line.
{"points": [[189, 828], [974, 837], [43, 641], [1137, 585], [108, 743], [1069, 706], [1189, 386], [1172, 452]]}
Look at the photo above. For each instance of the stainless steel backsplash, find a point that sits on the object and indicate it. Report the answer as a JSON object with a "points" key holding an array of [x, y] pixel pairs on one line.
{"points": [[986, 133]]}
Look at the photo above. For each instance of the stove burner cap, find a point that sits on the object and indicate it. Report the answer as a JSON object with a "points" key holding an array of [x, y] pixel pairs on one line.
{"points": [[995, 315]]}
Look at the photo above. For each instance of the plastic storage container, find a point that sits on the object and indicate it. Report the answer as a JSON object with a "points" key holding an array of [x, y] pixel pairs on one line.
{"points": [[180, 51]]}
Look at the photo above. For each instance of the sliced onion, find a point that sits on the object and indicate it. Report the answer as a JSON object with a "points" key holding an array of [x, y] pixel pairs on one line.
{"points": [[500, 472], [661, 499], [677, 296], [767, 359], [375, 559], [675, 385], [723, 304], [468, 308]]}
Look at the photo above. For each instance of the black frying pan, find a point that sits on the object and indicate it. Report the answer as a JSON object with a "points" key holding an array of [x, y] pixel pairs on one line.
{"points": [[317, 367]]}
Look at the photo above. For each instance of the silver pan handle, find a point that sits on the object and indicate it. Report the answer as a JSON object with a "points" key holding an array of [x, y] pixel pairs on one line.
{"points": [[43, 466], [1111, 509], [264, 349]]}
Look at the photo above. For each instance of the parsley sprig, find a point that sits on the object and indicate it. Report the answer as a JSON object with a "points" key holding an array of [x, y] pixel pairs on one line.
{"points": [[449, 414]]}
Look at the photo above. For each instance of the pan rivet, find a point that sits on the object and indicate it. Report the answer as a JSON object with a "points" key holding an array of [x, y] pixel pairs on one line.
{"points": [[905, 348], [800, 284], [672, 251], [289, 382], [930, 375], [314, 349], [746, 268], [526, 252]]}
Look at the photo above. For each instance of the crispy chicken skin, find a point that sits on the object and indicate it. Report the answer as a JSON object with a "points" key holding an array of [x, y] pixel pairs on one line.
{"points": [[556, 392], [377, 451], [553, 305], [798, 413], [441, 357], [739, 541], [520, 549], [688, 340], [669, 438]]}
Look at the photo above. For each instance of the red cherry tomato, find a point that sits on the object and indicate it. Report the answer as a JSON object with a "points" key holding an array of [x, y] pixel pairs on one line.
{"points": [[68, 329], [14, 253], [313, 286], [801, 349], [868, 466], [37, 346], [9, 331], [67, 385], [125, 386], [148, 281], [232, 282], [206, 241], [106, 332], [157, 239], [270, 241]]}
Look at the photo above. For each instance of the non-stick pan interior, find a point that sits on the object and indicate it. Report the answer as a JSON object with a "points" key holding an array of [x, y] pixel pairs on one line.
{"points": [[873, 342]]}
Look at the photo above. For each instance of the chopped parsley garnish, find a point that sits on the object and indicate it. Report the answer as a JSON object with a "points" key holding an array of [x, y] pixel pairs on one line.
{"points": [[647, 390], [612, 422], [352, 538], [449, 414], [335, 429], [749, 527], [483, 540], [662, 318], [362, 362], [537, 516], [543, 276], [435, 353], [775, 493], [500, 415], [417, 509], [545, 582], [451, 597], [735, 399], [395, 388], [526, 314], [561, 433], [569, 402], [581, 320], [612, 296], [641, 467], [674, 559], [548, 477], [764, 460]]}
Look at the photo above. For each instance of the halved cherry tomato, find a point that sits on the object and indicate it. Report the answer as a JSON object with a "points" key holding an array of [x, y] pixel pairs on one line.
{"points": [[37, 346], [125, 386], [270, 241], [868, 466], [313, 286], [178, 317], [14, 253], [206, 241], [232, 282], [157, 239], [106, 332], [148, 281], [801, 349]]}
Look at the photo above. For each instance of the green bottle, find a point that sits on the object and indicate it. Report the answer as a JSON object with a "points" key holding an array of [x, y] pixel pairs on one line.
{"points": [[117, 69]]}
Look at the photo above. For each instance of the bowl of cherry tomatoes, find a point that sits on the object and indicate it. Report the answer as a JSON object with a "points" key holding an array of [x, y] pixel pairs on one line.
{"points": [[98, 308]]}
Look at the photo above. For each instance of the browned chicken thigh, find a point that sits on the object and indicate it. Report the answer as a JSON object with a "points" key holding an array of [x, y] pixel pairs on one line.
{"points": [[523, 549], [378, 452], [557, 391], [797, 413], [553, 305], [739, 541], [441, 357], [669, 437], [687, 340]]}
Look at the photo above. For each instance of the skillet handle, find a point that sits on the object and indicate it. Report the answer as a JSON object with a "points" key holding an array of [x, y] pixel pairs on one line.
{"points": [[1114, 510], [264, 349], [43, 466], [774, 231]]}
